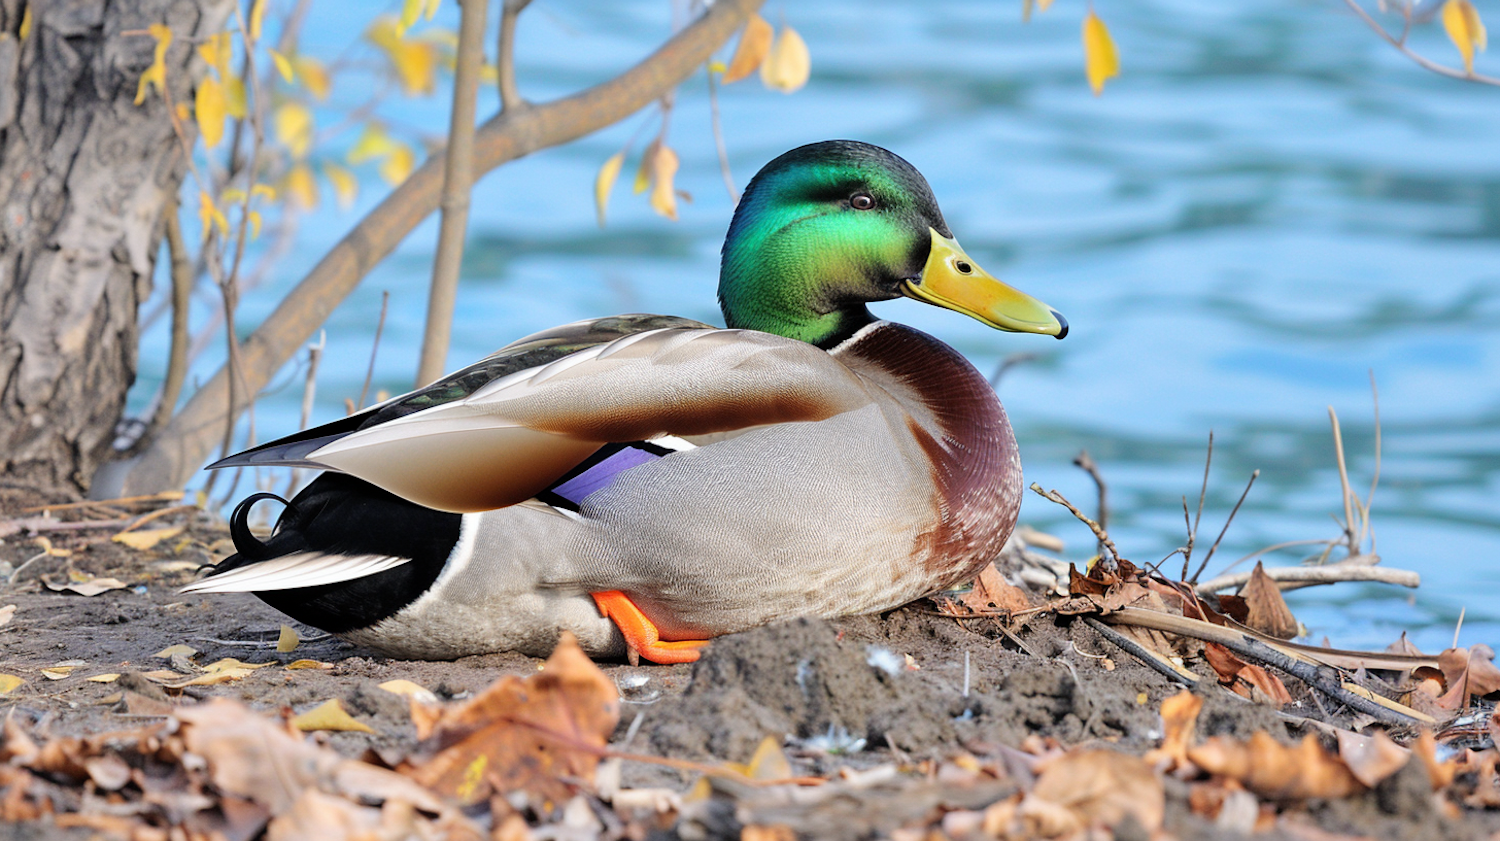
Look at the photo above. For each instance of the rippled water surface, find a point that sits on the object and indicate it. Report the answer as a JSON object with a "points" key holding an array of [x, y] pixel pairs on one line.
{"points": [[1267, 206]]}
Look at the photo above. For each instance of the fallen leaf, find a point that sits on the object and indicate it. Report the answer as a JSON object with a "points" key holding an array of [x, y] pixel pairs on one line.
{"points": [[91, 587], [992, 592], [1439, 773], [174, 650], [1244, 679], [1266, 608], [1179, 718], [524, 733], [1101, 787], [288, 640], [107, 677], [1273, 770], [414, 691], [789, 64], [769, 762], [1371, 758], [7, 613], [1101, 60], [308, 664], [57, 672], [9, 683], [330, 715], [754, 46]]}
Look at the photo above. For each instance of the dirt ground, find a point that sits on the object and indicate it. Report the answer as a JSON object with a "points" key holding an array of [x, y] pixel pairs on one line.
{"points": [[859, 692]]}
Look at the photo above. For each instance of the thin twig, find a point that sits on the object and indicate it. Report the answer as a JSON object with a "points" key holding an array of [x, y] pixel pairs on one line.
{"points": [[1291, 578], [1400, 44], [310, 391], [385, 298], [1348, 493], [177, 356], [719, 145], [1366, 528], [1086, 462], [1009, 362], [1113, 561], [1233, 511], [1171, 670], [1192, 537], [458, 182], [505, 56]]}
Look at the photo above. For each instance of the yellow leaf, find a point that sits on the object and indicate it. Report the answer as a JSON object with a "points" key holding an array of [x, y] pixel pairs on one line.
{"points": [[372, 143], [8, 684], [210, 106], [768, 762], [146, 538], [717, 67], [257, 19], [643, 172], [329, 715], [156, 74], [301, 187], [253, 217], [314, 75], [288, 640], [1465, 29], [234, 96], [293, 123], [345, 185], [398, 164], [174, 650], [57, 672], [25, 30], [284, 67], [415, 61], [414, 691], [787, 67], [410, 11], [664, 169], [308, 664], [432, 7], [1100, 60], [210, 215], [754, 46], [265, 191], [605, 181], [183, 112], [217, 51], [1041, 5], [108, 677]]}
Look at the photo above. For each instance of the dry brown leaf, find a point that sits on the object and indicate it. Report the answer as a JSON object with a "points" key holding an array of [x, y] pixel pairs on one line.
{"points": [[146, 538], [88, 587], [1179, 718], [788, 64], [992, 592], [524, 733], [754, 46], [1266, 609], [1467, 672], [308, 664], [1273, 770], [1440, 773], [107, 677], [1371, 758], [1244, 679], [330, 715], [1101, 787]]}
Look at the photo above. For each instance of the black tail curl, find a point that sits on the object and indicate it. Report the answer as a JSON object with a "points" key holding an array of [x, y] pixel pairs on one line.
{"points": [[250, 547]]}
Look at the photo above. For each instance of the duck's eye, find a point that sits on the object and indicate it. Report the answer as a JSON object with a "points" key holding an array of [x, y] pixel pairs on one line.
{"points": [[861, 201]]}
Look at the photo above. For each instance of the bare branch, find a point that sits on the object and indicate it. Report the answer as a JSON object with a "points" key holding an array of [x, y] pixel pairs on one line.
{"points": [[1400, 44], [177, 453], [1233, 511], [458, 181], [1111, 562], [1293, 578], [505, 56]]}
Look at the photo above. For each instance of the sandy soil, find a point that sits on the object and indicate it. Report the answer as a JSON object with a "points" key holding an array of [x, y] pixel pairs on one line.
{"points": [[949, 688]]}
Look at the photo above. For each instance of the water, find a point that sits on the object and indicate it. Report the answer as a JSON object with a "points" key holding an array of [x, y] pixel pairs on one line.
{"points": [[1267, 206]]}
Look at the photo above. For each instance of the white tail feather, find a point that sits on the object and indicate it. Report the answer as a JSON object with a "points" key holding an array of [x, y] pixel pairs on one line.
{"points": [[295, 571]]}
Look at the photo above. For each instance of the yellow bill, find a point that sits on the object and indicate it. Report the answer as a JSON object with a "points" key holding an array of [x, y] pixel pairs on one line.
{"points": [[954, 281]]}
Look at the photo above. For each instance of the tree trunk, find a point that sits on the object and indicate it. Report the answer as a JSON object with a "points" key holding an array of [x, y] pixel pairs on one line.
{"points": [[85, 177]]}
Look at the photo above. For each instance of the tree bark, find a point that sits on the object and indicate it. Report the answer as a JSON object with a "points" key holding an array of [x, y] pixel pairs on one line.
{"points": [[85, 177]]}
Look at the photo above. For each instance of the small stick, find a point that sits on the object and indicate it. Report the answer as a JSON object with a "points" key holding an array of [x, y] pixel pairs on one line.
{"points": [[1153, 660], [164, 496], [1298, 577], [966, 674], [385, 299], [723, 150], [1338, 452], [1459, 626], [1233, 511], [1086, 462], [1208, 462], [1099, 533]]}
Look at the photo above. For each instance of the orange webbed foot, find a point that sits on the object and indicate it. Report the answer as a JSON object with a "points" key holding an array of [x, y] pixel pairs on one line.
{"points": [[641, 634]]}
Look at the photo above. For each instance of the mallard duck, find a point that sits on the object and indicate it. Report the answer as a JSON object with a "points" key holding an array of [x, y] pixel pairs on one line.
{"points": [[649, 482]]}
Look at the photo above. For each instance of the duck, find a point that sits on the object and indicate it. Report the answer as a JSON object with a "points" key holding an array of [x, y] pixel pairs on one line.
{"points": [[648, 483]]}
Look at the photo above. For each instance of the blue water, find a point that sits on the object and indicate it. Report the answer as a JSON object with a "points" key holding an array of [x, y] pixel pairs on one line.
{"points": [[1268, 205]]}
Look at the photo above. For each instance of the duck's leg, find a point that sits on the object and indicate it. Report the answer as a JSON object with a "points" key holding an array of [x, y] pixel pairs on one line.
{"points": [[641, 634]]}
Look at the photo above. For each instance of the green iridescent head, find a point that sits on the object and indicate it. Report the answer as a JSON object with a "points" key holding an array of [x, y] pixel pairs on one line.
{"points": [[828, 227]]}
